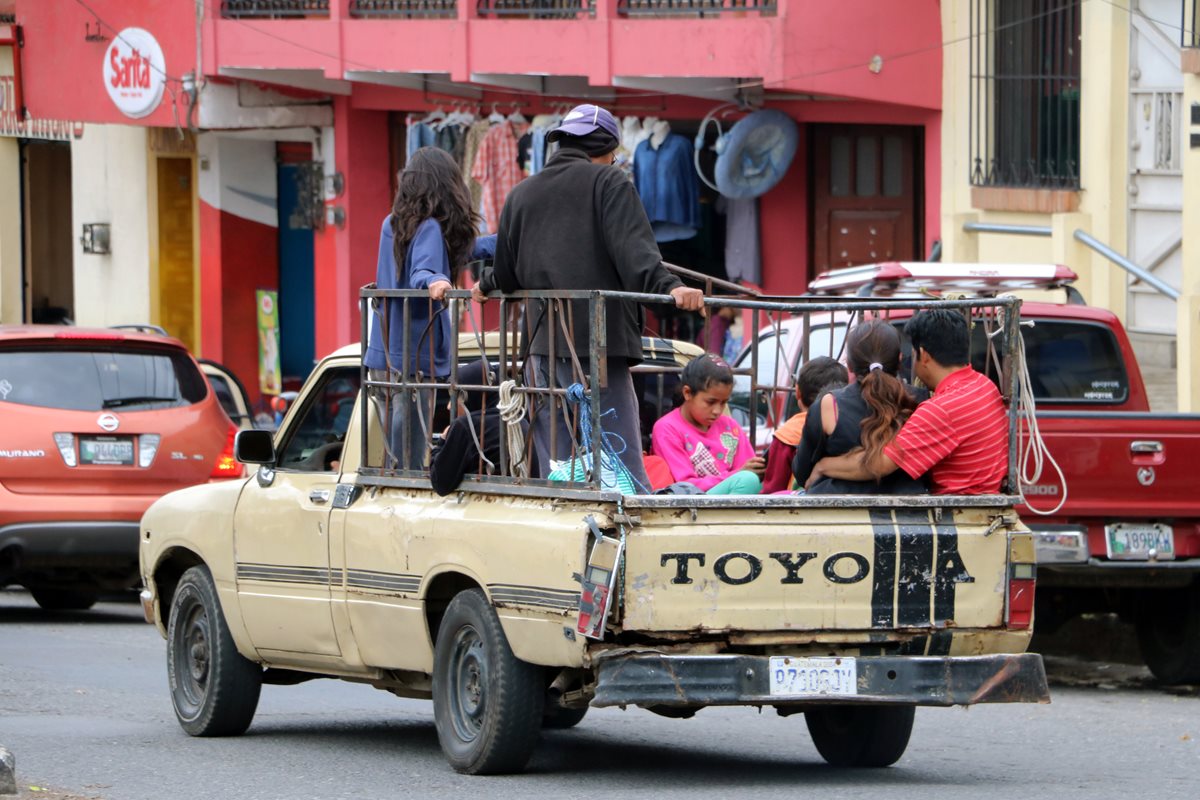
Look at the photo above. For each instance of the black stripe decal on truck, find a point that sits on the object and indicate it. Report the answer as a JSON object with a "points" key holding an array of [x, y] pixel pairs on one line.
{"points": [[883, 575], [916, 567]]}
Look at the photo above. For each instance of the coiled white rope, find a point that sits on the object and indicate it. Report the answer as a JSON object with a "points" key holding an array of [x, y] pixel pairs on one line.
{"points": [[1033, 451], [512, 410]]}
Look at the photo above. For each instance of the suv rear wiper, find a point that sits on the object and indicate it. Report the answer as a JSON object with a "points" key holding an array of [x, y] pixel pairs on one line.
{"points": [[117, 402]]}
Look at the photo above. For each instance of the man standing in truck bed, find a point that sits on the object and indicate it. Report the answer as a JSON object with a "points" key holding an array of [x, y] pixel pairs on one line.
{"points": [[959, 435], [578, 224]]}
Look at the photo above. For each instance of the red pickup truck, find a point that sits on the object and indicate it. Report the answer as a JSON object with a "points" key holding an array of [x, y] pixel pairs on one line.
{"points": [[1127, 535]]}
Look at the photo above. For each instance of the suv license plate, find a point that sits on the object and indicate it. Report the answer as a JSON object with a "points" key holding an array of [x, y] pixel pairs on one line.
{"points": [[809, 677], [109, 451], [1135, 542]]}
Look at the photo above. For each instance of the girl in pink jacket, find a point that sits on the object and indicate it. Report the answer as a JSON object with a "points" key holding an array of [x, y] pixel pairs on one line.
{"points": [[700, 443]]}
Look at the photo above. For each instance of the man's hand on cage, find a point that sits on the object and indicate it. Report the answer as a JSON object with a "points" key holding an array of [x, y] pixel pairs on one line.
{"points": [[688, 299], [477, 294]]}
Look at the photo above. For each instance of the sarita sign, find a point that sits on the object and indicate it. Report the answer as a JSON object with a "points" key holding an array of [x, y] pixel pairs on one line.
{"points": [[135, 72]]}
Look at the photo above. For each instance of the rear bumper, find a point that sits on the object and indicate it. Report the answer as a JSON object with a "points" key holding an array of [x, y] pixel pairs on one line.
{"points": [[69, 543], [683, 681]]}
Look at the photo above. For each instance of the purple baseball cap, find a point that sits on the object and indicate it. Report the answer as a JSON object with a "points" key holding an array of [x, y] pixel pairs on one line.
{"points": [[585, 119]]}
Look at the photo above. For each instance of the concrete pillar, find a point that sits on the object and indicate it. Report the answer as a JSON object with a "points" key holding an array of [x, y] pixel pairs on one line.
{"points": [[11, 271], [1104, 99], [957, 244], [1188, 335], [345, 256], [1069, 251]]}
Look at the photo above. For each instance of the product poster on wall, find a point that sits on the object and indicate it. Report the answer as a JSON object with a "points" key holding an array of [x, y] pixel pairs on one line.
{"points": [[269, 371]]}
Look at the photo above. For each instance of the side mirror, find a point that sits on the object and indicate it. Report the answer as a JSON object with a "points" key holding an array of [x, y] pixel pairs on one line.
{"points": [[254, 447]]}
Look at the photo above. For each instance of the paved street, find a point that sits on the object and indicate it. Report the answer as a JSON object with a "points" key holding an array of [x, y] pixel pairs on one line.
{"points": [[83, 705]]}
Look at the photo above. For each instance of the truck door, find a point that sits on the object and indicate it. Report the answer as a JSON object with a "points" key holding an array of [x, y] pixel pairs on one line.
{"points": [[281, 525]]}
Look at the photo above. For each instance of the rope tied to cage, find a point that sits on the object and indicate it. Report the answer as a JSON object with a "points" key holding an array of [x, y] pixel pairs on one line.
{"points": [[511, 406], [610, 456]]}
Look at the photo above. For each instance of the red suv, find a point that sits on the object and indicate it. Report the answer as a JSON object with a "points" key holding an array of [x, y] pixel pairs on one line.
{"points": [[95, 425]]}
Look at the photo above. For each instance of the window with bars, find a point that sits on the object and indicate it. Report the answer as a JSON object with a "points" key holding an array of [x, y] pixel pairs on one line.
{"points": [[1025, 79]]}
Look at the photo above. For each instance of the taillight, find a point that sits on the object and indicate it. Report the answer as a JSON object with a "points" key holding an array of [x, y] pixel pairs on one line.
{"points": [[227, 466], [1022, 579], [65, 443]]}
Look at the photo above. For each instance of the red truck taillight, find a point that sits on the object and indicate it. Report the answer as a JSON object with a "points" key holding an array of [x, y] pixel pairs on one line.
{"points": [[227, 466], [1022, 579]]}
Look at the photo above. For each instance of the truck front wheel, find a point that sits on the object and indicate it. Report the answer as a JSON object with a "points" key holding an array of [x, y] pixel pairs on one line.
{"points": [[487, 703], [214, 688], [1168, 629], [860, 736]]}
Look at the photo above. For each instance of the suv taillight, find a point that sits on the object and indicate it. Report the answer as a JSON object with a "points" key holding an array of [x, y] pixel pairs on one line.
{"points": [[227, 466], [1022, 579]]}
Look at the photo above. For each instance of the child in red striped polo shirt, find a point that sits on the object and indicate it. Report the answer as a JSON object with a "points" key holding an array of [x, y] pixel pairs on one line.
{"points": [[959, 435]]}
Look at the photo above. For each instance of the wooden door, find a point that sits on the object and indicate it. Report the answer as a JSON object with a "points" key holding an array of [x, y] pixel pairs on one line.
{"points": [[176, 268], [866, 194]]}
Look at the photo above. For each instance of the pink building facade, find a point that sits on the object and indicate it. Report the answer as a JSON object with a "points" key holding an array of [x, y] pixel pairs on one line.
{"points": [[331, 82]]}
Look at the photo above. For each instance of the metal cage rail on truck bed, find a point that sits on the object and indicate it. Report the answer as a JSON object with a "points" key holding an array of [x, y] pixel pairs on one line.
{"points": [[557, 309]]}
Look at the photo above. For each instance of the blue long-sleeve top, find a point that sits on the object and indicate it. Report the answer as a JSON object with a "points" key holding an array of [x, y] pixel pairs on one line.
{"points": [[425, 262], [666, 182]]}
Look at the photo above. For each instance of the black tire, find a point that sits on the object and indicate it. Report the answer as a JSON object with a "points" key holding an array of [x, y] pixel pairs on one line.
{"points": [[63, 599], [860, 736], [555, 717], [487, 703], [214, 688], [1168, 631]]}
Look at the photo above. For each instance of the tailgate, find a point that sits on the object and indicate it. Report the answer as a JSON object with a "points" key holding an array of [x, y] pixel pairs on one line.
{"points": [[814, 569]]}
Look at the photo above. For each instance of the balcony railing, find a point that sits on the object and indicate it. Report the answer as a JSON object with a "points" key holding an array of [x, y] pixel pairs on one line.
{"points": [[535, 9], [692, 8], [403, 9], [274, 9]]}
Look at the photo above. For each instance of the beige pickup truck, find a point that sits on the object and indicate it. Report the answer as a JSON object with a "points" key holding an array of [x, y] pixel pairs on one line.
{"points": [[516, 605]]}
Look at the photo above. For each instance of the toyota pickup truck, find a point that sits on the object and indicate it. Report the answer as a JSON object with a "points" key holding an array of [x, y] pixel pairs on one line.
{"points": [[1124, 535], [517, 603]]}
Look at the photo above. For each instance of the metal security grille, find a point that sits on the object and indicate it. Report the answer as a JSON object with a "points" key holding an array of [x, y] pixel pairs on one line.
{"points": [[1024, 100], [274, 9], [535, 9], [443, 9], [309, 213], [700, 8]]}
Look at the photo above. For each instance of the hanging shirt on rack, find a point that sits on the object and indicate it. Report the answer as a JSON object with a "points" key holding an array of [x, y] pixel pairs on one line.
{"points": [[419, 135], [743, 250], [474, 138], [496, 170], [666, 181]]}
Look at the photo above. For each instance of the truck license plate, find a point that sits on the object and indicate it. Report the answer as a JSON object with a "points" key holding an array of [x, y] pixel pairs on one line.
{"points": [[106, 450], [1135, 542], [807, 677]]}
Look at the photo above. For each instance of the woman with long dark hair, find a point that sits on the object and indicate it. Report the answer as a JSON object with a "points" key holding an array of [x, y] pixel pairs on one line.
{"points": [[424, 244], [866, 414]]}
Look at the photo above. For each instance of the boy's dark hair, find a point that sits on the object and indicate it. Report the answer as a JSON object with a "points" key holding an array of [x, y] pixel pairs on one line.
{"points": [[818, 374], [943, 333], [701, 373]]}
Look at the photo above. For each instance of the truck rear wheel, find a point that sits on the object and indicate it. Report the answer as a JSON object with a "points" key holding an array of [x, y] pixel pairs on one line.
{"points": [[860, 736], [487, 703], [214, 688], [1168, 629]]}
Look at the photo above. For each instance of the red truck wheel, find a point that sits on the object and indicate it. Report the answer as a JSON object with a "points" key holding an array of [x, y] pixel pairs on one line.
{"points": [[1168, 628]]}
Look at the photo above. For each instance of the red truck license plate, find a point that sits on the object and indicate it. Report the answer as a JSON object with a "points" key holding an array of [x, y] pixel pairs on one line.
{"points": [[1140, 542]]}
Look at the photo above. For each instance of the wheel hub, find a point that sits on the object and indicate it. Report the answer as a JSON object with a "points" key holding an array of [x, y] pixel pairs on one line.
{"points": [[469, 695]]}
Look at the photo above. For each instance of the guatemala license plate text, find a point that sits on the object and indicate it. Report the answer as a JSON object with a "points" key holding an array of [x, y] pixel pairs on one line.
{"points": [[1137, 541], [803, 677]]}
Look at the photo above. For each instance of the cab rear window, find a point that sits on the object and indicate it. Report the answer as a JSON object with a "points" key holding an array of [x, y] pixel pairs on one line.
{"points": [[1075, 362], [99, 378]]}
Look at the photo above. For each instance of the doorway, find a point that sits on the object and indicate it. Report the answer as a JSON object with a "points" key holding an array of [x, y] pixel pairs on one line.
{"points": [[297, 299], [867, 189], [176, 263], [49, 248]]}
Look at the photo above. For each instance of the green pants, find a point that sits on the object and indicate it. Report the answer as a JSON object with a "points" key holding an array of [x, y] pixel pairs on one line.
{"points": [[740, 482]]}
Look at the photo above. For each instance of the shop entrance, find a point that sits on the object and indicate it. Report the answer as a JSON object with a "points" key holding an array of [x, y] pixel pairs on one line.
{"points": [[866, 190], [49, 245], [176, 265], [297, 302]]}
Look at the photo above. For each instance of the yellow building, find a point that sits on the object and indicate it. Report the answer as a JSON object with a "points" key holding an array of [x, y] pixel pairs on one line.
{"points": [[1071, 133]]}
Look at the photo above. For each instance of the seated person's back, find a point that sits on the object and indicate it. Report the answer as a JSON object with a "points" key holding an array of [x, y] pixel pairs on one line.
{"points": [[865, 414], [478, 424]]}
